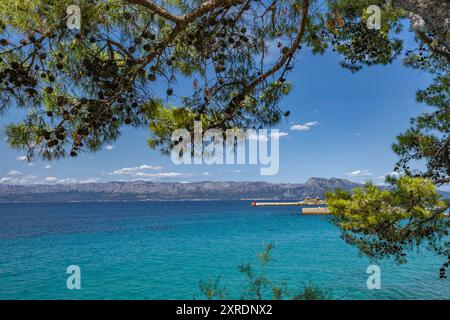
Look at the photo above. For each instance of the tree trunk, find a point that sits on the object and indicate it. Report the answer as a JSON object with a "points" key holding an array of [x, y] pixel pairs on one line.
{"points": [[435, 13]]}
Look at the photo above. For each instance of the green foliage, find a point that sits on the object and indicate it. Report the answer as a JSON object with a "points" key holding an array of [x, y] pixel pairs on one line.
{"points": [[311, 292], [260, 287], [389, 222], [346, 29], [429, 138], [212, 289], [384, 223], [89, 83]]}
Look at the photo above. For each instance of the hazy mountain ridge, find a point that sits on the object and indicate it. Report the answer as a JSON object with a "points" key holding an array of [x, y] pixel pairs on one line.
{"points": [[142, 190], [146, 191]]}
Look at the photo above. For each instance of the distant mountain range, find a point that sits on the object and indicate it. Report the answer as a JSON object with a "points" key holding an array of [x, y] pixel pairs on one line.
{"points": [[147, 191]]}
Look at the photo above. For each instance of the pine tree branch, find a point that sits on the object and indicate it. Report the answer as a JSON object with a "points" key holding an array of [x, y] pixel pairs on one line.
{"points": [[205, 7], [208, 6], [152, 6], [441, 181]]}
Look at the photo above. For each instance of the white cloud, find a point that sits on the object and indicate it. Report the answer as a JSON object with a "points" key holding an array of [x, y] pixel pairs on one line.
{"points": [[67, 180], [21, 180], [278, 135], [21, 158], [159, 175], [300, 127], [109, 147], [359, 173], [55, 180], [265, 137], [134, 170], [393, 174], [27, 179], [5, 180], [256, 136], [14, 173], [304, 127], [169, 175], [90, 180], [141, 172], [143, 176]]}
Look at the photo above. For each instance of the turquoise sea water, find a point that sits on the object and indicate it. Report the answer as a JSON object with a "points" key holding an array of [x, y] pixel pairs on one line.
{"points": [[161, 250]]}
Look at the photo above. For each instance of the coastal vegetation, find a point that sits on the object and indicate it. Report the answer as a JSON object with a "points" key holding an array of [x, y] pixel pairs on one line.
{"points": [[393, 222], [260, 286]]}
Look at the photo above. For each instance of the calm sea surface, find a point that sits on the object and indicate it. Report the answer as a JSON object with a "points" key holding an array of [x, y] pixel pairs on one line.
{"points": [[161, 250]]}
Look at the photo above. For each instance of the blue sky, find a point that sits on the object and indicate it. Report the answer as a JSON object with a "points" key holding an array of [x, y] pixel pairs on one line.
{"points": [[352, 121]]}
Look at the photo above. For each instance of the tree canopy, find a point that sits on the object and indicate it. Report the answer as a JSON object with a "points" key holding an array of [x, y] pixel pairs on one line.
{"points": [[80, 87], [389, 223]]}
